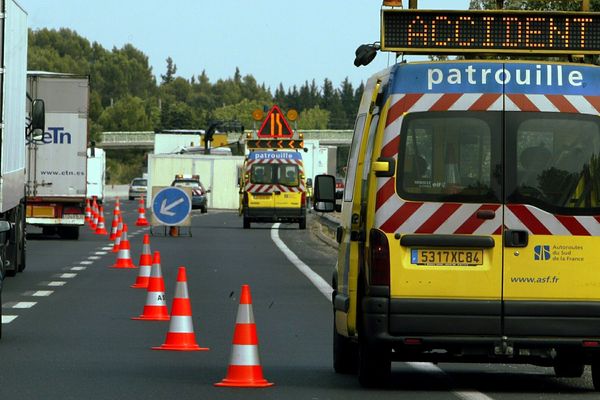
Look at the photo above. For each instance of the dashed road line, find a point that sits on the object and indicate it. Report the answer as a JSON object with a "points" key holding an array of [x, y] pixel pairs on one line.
{"points": [[7, 319], [24, 304], [42, 293], [67, 275], [57, 283], [78, 268], [85, 262]]}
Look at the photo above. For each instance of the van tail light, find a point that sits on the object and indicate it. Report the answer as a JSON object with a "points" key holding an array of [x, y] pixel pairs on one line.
{"points": [[303, 201], [380, 258]]}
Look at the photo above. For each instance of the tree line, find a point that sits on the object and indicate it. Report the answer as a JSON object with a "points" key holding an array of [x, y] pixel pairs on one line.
{"points": [[125, 95]]}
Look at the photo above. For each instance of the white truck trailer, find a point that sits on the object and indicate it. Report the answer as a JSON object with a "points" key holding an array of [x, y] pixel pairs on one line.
{"points": [[56, 175], [14, 130], [96, 173]]}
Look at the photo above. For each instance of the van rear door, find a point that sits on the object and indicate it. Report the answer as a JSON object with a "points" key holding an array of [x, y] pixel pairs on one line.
{"points": [[551, 274], [442, 214]]}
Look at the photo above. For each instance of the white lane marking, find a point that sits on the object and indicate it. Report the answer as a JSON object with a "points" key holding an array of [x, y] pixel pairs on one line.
{"points": [[67, 275], [57, 283], [326, 290], [462, 394], [25, 304], [93, 258], [7, 319], [86, 262], [100, 253], [78, 268], [312, 276], [42, 293], [107, 248]]}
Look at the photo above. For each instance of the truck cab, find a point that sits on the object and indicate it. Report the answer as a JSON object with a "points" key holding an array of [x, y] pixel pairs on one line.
{"points": [[470, 216]]}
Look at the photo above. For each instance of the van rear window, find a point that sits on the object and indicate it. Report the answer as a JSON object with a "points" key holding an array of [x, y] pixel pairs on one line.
{"points": [[450, 156], [554, 161]]}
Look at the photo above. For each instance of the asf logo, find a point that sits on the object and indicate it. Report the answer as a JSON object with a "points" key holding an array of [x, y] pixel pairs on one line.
{"points": [[541, 253]]}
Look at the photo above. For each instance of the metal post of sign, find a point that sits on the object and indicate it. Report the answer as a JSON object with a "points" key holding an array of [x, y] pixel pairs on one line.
{"points": [[171, 207]]}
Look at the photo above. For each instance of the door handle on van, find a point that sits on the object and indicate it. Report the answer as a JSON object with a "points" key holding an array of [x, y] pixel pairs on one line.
{"points": [[516, 238], [486, 214], [384, 167]]}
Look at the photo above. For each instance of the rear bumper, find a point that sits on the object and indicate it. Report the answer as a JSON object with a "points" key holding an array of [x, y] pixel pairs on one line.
{"points": [[56, 221], [275, 214], [475, 328]]}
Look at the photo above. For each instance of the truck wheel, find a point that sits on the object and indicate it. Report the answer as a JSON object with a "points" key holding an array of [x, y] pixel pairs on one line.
{"points": [[69, 232], [246, 223], [345, 353], [569, 369], [374, 363], [203, 210]]}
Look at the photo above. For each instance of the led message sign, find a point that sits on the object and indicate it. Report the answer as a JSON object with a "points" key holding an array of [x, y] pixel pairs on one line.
{"points": [[453, 32]]}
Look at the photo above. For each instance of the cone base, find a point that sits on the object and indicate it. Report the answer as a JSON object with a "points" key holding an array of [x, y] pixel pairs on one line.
{"points": [[173, 347], [244, 376], [140, 285], [151, 318], [233, 383], [123, 267]]}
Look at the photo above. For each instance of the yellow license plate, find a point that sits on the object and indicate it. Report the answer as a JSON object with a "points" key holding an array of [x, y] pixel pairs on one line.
{"points": [[464, 257]]}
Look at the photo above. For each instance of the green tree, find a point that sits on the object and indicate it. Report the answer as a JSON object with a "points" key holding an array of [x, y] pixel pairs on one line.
{"points": [[313, 118], [170, 73], [127, 114]]}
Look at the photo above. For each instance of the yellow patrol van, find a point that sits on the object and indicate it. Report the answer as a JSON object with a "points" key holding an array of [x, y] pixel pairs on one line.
{"points": [[272, 185], [470, 222]]}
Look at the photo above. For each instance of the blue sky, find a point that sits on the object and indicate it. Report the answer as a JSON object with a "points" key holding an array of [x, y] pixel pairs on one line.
{"points": [[275, 41]]}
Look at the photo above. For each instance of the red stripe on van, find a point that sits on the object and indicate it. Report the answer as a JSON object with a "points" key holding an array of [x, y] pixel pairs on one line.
{"points": [[445, 102], [561, 103], [438, 218], [473, 222], [484, 102], [400, 216], [391, 149], [386, 191], [401, 106], [572, 225], [529, 220], [523, 102]]}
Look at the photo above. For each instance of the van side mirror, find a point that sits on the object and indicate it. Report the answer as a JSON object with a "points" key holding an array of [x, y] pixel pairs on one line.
{"points": [[324, 193], [38, 120]]}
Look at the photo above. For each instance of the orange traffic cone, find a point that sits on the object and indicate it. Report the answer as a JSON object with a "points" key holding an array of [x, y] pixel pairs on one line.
{"points": [[145, 265], [115, 225], [100, 228], [94, 217], [88, 211], [156, 307], [124, 254], [117, 242], [141, 221], [181, 330], [244, 366], [118, 204]]}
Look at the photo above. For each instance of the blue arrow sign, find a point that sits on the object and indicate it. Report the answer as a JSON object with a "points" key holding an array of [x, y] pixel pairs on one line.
{"points": [[171, 206]]}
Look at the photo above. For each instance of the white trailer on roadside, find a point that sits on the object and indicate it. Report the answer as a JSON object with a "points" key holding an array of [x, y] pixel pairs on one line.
{"points": [[56, 177], [217, 172], [96, 173]]}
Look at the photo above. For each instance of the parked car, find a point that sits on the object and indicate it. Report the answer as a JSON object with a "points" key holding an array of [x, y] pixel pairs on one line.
{"points": [[138, 188], [199, 192]]}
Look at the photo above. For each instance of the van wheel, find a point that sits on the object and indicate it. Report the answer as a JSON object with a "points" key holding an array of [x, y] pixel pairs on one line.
{"points": [[596, 374], [246, 223], [374, 363], [568, 369], [345, 353], [302, 223]]}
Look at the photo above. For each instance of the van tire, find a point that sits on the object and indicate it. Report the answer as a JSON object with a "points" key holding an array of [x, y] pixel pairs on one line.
{"points": [[302, 223], [374, 361], [596, 374], [569, 369], [246, 223], [345, 353]]}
